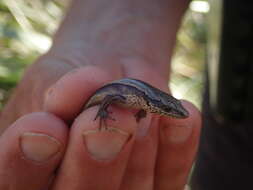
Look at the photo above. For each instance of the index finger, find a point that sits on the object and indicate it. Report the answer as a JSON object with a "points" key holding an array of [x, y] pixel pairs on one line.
{"points": [[68, 95], [177, 148]]}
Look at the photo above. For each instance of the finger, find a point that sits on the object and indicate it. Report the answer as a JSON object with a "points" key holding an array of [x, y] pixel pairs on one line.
{"points": [[177, 148], [96, 159], [31, 150], [140, 169], [67, 96]]}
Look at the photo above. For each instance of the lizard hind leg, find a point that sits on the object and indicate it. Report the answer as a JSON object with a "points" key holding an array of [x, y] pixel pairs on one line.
{"points": [[140, 114], [103, 113]]}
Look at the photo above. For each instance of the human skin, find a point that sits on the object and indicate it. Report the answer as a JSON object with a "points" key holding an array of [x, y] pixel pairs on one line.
{"points": [[55, 144]]}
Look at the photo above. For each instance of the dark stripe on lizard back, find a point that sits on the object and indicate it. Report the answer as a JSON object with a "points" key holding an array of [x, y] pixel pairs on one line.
{"points": [[115, 89]]}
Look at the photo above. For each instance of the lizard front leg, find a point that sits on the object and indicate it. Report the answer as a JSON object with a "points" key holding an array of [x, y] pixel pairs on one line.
{"points": [[103, 112]]}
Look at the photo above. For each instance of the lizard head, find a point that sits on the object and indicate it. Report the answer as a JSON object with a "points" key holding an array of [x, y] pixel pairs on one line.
{"points": [[169, 106]]}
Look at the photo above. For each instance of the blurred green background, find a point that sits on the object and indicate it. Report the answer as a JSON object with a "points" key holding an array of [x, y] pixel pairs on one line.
{"points": [[26, 28]]}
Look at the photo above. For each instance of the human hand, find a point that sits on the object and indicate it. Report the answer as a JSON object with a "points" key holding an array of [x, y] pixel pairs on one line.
{"points": [[64, 145], [157, 153]]}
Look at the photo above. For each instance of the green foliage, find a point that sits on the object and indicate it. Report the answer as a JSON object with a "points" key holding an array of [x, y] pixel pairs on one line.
{"points": [[26, 28], [188, 59]]}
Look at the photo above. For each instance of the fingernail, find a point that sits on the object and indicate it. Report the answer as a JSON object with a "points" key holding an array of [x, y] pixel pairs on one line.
{"points": [[39, 147], [105, 144], [179, 134]]}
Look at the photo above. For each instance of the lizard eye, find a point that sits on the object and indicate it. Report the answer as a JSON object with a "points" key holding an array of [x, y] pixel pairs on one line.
{"points": [[167, 109]]}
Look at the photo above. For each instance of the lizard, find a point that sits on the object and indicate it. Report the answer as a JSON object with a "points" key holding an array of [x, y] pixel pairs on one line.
{"points": [[137, 94]]}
